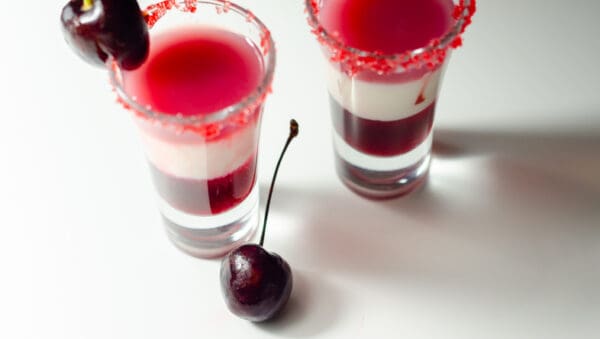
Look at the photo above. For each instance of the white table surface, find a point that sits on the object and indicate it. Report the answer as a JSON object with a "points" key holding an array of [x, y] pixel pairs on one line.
{"points": [[504, 242]]}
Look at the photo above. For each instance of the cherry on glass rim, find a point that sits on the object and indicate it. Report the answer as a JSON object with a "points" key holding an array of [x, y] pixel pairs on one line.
{"points": [[97, 29]]}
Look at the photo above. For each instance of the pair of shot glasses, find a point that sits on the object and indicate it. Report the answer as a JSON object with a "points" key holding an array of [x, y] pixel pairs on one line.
{"points": [[204, 165]]}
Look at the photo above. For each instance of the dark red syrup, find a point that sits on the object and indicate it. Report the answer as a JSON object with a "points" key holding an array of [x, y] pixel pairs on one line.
{"points": [[382, 138]]}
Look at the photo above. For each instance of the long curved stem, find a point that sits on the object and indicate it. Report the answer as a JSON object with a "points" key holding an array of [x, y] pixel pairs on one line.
{"points": [[293, 134]]}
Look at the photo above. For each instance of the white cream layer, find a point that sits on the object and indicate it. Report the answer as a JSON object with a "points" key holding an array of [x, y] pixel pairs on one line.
{"points": [[201, 161], [383, 101]]}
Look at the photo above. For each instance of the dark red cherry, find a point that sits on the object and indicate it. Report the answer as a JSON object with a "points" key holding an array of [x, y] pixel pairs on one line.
{"points": [[257, 284], [96, 29]]}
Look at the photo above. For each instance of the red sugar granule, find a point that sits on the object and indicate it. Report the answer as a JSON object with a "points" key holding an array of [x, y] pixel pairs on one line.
{"points": [[432, 55]]}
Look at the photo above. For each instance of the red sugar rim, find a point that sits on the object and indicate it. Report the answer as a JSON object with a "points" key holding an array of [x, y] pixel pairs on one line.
{"points": [[355, 60], [208, 125]]}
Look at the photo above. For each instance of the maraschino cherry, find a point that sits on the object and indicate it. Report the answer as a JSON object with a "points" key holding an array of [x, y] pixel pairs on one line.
{"points": [[97, 29], [256, 283]]}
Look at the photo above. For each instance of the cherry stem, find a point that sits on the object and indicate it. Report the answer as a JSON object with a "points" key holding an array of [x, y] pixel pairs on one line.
{"points": [[87, 5], [293, 134]]}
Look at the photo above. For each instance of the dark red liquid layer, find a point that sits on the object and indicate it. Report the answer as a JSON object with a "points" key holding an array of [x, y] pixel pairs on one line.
{"points": [[389, 26], [382, 138], [206, 197]]}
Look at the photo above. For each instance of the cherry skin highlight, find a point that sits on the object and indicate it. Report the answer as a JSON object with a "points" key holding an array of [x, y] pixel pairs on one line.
{"points": [[97, 29], [256, 284]]}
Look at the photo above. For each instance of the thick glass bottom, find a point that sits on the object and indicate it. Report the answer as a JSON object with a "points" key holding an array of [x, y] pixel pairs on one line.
{"points": [[212, 236], [382, 177]]}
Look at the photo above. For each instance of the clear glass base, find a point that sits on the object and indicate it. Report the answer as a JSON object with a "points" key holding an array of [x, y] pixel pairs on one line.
{"points": [[382, 177], [212, 236]]}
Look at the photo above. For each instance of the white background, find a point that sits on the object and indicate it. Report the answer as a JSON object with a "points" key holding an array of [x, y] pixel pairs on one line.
{"points": [[504, 242]]}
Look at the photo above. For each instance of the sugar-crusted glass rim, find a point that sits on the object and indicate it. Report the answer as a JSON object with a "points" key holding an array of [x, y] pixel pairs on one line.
{"points": [[205, 122], [355, 60]]}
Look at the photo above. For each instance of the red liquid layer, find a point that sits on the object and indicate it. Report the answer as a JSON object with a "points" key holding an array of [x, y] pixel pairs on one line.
{"points": [[388, 26], [197, 71], [205, 197], [382, 138]]}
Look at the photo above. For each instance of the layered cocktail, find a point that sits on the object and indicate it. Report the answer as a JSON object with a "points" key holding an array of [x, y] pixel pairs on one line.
{"points": [[197, 101], [386, 59]]}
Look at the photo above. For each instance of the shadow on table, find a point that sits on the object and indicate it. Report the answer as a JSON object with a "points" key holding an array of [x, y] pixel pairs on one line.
{"points": [[541, 163], [504, 216], [452, 143], [313, 307]]}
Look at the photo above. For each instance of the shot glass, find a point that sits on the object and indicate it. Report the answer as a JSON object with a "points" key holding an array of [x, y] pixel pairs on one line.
{"points": [[203, 165], [383, 106]]}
